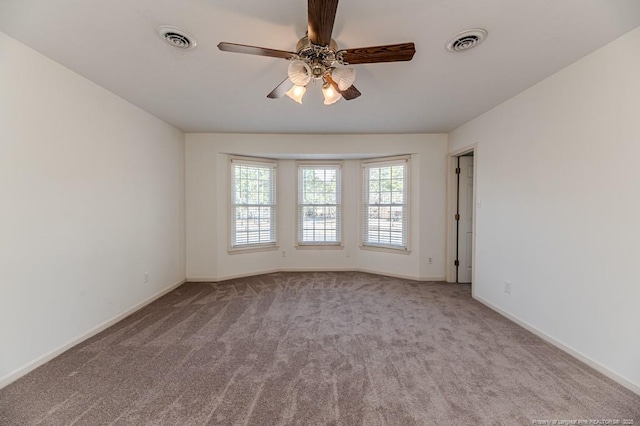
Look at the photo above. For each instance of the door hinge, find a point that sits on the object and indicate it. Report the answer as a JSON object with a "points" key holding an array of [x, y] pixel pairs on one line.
{"points": [[457, 170], [457, 263], [457, 217]]}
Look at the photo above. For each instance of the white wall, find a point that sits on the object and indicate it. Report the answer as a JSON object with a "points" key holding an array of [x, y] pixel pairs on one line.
{"points": [[559, 186], [92, 193], [208, 195]]}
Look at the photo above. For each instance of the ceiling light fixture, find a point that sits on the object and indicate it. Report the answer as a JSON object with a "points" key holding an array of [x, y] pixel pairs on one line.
{"points": [[313, 62], [331, 95], [296, 93], [344, 77], [299, 72], [317, 57]]}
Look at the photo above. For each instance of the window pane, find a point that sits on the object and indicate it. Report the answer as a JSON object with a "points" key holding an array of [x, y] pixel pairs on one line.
{"points": [[385, 220], [319, 204], [253, 205]]}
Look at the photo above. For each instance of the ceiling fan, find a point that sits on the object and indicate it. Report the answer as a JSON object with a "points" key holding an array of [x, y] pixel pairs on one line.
{"points": [[317, 57]]}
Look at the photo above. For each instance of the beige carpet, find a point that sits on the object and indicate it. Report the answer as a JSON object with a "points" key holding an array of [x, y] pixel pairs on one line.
{"points": [[314, 348]]}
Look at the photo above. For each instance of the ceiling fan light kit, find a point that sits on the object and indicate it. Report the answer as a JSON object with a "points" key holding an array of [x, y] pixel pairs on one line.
{"points": [[331, 95], [296, 93], [317, 58], [344, 77], [299, 72]]}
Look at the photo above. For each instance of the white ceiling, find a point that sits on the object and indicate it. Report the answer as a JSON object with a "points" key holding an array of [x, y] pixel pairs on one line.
{"points": [[114, 43]]}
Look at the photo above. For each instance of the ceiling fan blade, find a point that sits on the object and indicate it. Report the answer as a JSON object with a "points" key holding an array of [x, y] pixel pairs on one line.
{"points": [[321, 16], [254, 50], [349, 94], [281, 89], [389, 53]]}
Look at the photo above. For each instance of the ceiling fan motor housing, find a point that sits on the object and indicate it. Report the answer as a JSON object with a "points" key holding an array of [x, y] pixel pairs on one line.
{"points": [[321, 59], [304, 42]]}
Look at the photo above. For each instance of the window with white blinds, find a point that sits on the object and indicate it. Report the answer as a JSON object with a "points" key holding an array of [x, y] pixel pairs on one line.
{"points": [[319, 204], [253, 203], [386, 203]]}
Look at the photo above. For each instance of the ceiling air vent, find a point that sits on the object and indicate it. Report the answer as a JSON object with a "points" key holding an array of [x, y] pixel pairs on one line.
{"points": [[177, 38], [466, 40]]}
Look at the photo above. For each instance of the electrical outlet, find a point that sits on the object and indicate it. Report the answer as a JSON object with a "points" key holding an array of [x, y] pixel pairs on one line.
{"points": [[284, 253], [146, 278], [430, 260], [507, 287]]}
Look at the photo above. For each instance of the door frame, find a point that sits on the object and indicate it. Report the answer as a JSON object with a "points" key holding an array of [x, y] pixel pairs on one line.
{"points": [[452, 193]]}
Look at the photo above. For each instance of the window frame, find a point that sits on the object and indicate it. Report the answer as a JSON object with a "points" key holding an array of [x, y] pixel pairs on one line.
{"points": [[366, 165], [300, 165], [261, 246]]}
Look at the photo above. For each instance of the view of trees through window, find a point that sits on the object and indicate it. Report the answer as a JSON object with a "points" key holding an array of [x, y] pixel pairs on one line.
{"points": [[385, 205], [319, 204], [253, 204]]}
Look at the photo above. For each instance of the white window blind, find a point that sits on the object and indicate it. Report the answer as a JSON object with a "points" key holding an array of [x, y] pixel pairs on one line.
{"points": [[385, 209], [253, 203], [319, 204]]}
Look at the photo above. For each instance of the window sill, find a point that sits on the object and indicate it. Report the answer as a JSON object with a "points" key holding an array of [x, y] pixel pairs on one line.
{"points": [[252, 249], [319, 247], [386, 249]]}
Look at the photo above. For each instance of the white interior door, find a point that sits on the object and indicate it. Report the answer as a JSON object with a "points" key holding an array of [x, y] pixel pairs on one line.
{"points": [[465, 230]]}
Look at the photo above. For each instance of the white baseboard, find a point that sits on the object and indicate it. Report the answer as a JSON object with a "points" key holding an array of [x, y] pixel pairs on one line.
{"points": [[330, 269], [401, 276], [574, 353], [230, 277], [22, 371], [316, 269]]}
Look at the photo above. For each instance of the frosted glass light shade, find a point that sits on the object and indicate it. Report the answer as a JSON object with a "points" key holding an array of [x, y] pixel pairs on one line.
{"points": [[344, 77], [296, 93], [299, 73], [331, 95]]}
